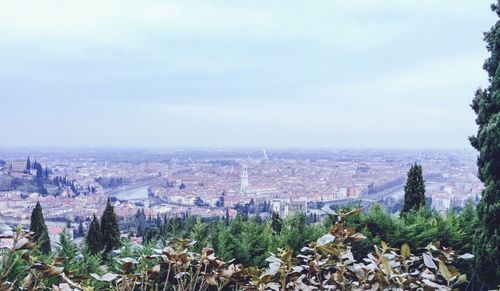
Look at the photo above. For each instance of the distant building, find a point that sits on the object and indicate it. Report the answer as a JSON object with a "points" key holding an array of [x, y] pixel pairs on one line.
{"points": [[244, 185]]}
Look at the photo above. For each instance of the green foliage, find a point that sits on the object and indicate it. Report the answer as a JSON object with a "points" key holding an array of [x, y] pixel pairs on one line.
{"points": [[93, 240], [67, 249], [414, 190], [199, 234], [110, 229], [299, 257], [39, 229], [486, 105]]}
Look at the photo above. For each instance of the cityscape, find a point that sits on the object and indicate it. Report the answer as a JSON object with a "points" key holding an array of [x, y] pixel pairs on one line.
{"points": [[209, 183], [326, 145]]}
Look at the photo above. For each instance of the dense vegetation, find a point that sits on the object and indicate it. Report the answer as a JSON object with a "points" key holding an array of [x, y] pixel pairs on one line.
{"points": [[330, 261], [486, 104]]}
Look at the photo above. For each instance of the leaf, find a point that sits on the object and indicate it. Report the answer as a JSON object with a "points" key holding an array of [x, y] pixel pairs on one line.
{"points": [[129, 260], [354, 212], [324, 240], [444, 271], [48, 270], [405, 251], [384, 246], [357, 237], [385, 265], [63, 287], [28, 280], [211, 280], [329, 250], [108, 277], [155, 270], [428, 261], [460, 280], [466, 256]]}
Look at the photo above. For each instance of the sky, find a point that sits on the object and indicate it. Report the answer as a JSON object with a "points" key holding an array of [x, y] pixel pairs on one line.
{"points": [[279, 73]]}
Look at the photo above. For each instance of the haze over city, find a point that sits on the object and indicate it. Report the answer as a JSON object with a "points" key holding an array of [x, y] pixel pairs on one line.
{"points": [[328, 74]]}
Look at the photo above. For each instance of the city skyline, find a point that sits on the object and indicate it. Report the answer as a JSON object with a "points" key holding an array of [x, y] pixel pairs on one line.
{"points": [[232, 75]]}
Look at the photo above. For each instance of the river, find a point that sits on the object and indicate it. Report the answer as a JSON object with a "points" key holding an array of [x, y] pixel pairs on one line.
{"points": [[140, 192]]}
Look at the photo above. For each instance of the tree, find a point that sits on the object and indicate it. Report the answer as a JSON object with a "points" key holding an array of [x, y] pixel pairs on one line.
{"points": [[414, 190], [226, 218], [486, 105], [39, 171], [110, 229], [276, 223], [198, 201], [67, 248], [199, 234], [80, 231], [94, 238], [39, 228]]}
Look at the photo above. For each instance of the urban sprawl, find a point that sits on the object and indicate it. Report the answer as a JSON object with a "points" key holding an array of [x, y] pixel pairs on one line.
{"points": [[73, 186]]}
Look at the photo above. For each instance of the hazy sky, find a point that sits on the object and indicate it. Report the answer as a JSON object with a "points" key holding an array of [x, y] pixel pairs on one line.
{"points": [[372, 73]]}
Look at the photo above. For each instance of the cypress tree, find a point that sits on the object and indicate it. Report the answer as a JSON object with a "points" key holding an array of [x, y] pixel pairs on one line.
{"points": [[80, 229], [276, 223], [414, 190], [39, 171], [110, 229], [94, 238], [39, 229], [486, 105]]}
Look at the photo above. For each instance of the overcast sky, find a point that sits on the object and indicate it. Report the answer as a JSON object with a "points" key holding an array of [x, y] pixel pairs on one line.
{"points": [[333, 73]]}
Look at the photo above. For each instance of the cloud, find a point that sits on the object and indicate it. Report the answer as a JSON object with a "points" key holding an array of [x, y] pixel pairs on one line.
{"points": [[240, 73]]}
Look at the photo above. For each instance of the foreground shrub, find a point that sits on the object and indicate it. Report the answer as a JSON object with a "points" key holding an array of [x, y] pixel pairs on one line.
{"points": [[326, 264]]}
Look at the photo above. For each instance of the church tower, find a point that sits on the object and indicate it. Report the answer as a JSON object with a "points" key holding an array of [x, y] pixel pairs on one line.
{"points": [[244, 179]]}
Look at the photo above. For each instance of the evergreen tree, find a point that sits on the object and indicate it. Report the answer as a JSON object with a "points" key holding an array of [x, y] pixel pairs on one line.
{"points": [[486, 105], [67, 248], [94, 238], [39, 171], [199, 234], [110, 229], [276, 223], [414, 190], [39, 228], [226, 219], [158, 221], [80, 231]]}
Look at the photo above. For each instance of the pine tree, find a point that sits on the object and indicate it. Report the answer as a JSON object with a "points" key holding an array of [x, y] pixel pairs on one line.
{"points": [[414, 190], [67, 248], [486, 105], [110, 229], [94, 239], [39, 228], [199, 234]]}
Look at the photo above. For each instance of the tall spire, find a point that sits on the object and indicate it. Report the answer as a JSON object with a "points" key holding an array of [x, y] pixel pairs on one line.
{"points": [[244, 178]]}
